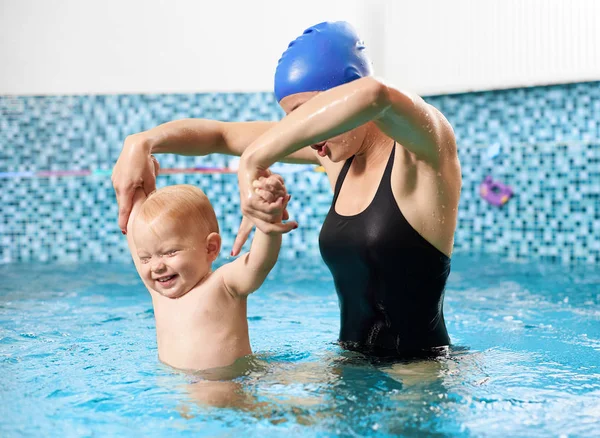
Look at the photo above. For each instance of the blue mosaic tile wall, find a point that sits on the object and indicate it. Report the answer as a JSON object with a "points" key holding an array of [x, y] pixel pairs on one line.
{"points": [[544, 142]]}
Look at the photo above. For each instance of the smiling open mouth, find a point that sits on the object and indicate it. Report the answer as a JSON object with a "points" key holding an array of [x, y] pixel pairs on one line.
{"points": [[167, 280]]}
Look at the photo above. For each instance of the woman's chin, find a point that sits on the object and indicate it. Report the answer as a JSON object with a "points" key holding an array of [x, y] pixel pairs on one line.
{"points": [[335, 158]]}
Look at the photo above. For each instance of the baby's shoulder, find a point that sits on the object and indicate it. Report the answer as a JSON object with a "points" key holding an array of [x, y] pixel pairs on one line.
{"points": [[225, 273], [213, 286]]}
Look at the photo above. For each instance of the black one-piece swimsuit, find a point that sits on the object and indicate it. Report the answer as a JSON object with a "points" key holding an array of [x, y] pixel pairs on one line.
{"points": [[390, 281]]}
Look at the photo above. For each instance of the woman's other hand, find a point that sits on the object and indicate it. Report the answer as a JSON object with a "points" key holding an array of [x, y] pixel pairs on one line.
{"points": [[135, 168]]}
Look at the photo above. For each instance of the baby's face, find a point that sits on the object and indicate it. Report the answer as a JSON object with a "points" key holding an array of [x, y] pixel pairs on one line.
{"points": [[172, 262]]}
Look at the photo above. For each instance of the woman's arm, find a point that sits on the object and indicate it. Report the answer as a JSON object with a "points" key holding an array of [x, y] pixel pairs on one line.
{"points": [[134, 168], [405, 117], [204, 136]]}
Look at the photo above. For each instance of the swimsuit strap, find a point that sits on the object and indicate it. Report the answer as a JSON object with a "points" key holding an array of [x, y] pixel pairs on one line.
{"points": [[341, 178]]}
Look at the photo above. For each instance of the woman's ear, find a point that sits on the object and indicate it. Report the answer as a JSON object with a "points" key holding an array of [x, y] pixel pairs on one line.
{"points": [[213, 245]]}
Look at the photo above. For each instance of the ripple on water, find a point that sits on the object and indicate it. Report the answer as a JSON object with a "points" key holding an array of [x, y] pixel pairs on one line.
{"points": [[531, 366]]}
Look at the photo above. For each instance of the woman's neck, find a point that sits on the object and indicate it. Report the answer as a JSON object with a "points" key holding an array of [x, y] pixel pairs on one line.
{"points": [[376, 147]]}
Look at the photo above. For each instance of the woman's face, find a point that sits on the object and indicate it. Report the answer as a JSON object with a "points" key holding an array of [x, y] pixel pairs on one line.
{"points": [[338, 148]]}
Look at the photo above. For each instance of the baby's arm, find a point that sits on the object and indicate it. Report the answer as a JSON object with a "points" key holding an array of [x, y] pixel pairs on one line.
{"points": [[247, 273], [138, 199]]}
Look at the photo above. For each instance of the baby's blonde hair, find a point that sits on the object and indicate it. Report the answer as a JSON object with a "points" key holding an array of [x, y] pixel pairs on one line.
{"points": [[183, 205]]}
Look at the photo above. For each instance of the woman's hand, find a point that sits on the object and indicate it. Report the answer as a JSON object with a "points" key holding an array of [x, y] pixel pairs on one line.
{"points": [[135, 168], [263, 199]]}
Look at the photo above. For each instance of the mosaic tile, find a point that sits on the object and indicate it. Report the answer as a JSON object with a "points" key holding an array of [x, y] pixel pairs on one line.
{"points": [[548, 137]]}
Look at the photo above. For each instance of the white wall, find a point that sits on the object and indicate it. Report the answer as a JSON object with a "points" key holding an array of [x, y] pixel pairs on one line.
{"points": [[132, 46], [431, 46], [437, 46]]}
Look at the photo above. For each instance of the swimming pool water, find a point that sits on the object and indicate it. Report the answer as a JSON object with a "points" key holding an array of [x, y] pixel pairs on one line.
{"points": [[78, 358]]}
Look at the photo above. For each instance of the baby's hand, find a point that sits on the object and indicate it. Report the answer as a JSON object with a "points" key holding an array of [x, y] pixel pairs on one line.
{"points": [[272, 190]]}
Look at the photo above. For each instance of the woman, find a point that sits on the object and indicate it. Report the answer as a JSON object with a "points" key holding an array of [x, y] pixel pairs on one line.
{"points": [[391, 160]]}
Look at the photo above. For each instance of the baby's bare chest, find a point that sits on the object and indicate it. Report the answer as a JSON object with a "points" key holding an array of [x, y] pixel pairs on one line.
{"points": [[203, 308]]}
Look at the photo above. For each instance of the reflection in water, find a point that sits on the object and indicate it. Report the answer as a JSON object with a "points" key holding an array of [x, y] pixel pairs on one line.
{"points": [[221, 394], [82, 356], [339, 390], [222, 387]]}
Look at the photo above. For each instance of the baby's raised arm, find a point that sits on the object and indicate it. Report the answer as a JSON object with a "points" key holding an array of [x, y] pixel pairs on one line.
{"points": [[138, 199], [247, 273]]}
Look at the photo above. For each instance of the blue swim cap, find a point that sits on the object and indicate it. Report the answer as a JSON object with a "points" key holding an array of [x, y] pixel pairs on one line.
{"points": [[324, 56]]}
